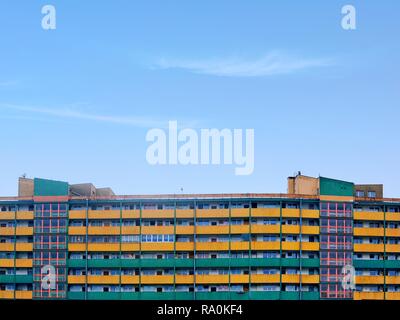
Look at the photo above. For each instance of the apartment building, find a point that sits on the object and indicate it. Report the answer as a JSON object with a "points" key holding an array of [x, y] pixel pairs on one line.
{"points": [[62, 241]]}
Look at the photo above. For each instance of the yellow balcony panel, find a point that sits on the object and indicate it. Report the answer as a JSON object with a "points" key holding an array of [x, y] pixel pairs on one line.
{"points": [[212, 229], [392, 248], [212, 246], [310, 278], [160, 214], [369, 280], [23, 294], [126, 279], [103, 246], [392, 279], [76, 247], [184, 246], [130, 214], [184, 229], [265, 245], [6, 263], [290, 213], [310, 230], [266, 212], [24, 231], [20, 246], [393, 216], [392, 232], [130, 230], [77, 214], [290, 278], [184, 279], [286, 245], [130, 246], [240, 245], [368, 295], [7, 215], [265, 278], [290, 229], [104, 230], [104, 214], [6, 246], [184, 213], [6, 294], [212, 213], [212, 278], [235, 229], [7, 231], [23, 263], [157, 279], [157, 230], [366, 247], [76, 279], [309, 213], [77, 230], [157, 246], [240, 278], [240, 212], [392, 295], [92, 279], [255, 228], [377, 232], [24, 215], [368, 216], [310, 246]]}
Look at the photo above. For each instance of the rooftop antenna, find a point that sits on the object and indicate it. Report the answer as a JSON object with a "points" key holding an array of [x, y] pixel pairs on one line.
{"points": [[23, 175]]}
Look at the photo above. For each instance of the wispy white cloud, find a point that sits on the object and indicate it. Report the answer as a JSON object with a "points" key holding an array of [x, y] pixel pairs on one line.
{"points": [[136, 121], [274, 63]]}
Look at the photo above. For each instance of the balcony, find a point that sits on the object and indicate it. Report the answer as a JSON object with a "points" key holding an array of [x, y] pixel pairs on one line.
{"points": [[7, 215], [376, 232], [103, 246], [24, 215], [157, 230], [369, 280], [130, 279], [101, 279], [157, 279], [212, 279], [77, 230], [130, 214], [153, 214], [104, 214], [104, 230], [266, 212], [392, 216], [368, 216], [212, 213], [265, 278], [77, 214], [368, 295], [366, 247], [256, 228]]}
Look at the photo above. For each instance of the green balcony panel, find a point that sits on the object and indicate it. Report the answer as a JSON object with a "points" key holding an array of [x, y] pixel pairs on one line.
{"points": [[310, 295], [7, 279], [76, 263], [310, 263], [104, 263], [184, 263], [157, 263], [264, 262], [23, 278], [239, 296], [184, 295], [157, 296], [392, 264], [289, 295], [130, 295], [264, 295], [212, 295], [76, 295], [130, 263], [212, 263], [103, 295], [368, 264]]}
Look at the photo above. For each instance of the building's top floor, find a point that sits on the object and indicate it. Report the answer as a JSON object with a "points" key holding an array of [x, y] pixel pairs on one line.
{"points": [[299, 187]]}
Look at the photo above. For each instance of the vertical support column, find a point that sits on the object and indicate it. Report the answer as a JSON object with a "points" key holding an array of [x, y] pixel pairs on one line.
{"points": [[140, 249], [86, 248], [194, 248], [301, 250], [280, 250]]}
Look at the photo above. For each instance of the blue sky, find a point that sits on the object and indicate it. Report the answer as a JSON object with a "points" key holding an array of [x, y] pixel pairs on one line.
{"points": [[76, 102]]}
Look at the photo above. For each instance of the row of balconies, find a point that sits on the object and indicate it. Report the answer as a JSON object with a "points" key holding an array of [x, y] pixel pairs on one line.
{"points": [[190, 279], [202, 213], [190, 246]]}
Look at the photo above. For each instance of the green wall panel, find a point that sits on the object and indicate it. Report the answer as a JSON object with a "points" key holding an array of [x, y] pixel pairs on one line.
{"points": [[44, 187], [332, 187]]}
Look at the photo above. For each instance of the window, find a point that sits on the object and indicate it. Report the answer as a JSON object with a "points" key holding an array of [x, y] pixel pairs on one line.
{"points": [[360, 194], [371, 194]]}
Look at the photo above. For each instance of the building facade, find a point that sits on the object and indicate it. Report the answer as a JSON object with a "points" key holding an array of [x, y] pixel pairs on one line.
{"points": [[61, 241]]}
